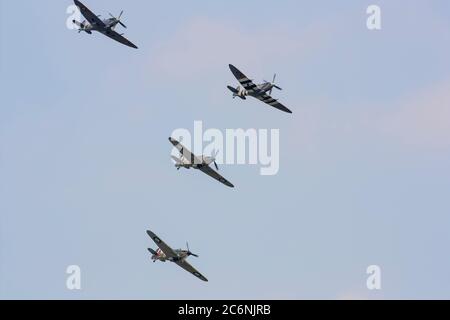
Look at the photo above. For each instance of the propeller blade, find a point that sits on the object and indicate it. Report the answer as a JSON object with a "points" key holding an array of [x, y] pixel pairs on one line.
{"points": [[189, 251], [274, 78], [111, 15], [120, 15], [122, 24], [278, 87], [217, 167]]}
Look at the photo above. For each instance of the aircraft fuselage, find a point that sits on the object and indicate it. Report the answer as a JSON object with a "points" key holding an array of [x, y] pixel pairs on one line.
{"points": [[161, 256], [110, 24], [183, 163], [242, 93]]}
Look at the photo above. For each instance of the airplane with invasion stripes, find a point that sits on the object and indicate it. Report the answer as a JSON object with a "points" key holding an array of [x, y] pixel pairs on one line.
{"points": [[261, 92], [107, 27]]}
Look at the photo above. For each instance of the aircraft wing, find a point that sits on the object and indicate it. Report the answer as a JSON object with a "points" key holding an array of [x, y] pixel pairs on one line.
{"points": [[272, 102], [210, 172], [243, 80], [186, 266], [89, 15], [168, 251], [119, 38], [185, 152]]}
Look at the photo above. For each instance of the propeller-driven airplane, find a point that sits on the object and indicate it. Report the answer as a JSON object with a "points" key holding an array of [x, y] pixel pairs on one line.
{"points": [[189, 160], [166, 253], [261, 92], [106, 26]]}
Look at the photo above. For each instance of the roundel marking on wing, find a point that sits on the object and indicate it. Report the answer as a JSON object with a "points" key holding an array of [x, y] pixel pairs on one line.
{"points": [[157, 240]]}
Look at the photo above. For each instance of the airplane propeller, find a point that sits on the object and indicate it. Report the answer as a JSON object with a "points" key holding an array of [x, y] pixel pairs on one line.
{"points": [[189, 253], [118, 19], [273, 84]]}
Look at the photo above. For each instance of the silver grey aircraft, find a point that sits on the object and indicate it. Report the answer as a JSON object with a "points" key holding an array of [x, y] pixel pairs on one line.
{"points": [[179, 256], [261, 92], [106, 26], [189, 160]]}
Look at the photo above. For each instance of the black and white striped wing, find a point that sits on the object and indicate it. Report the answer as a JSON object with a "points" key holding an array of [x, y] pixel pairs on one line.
{"points": [[246, 83], [185, 152], [272, 102]]}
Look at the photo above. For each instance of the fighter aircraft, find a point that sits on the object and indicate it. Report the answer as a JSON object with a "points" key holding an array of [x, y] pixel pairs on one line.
{"points": [[166, 253], [106, 26], [189, 160], [257, 91]]}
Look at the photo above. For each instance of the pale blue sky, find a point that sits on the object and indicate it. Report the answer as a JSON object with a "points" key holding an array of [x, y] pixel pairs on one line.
{"points": [[364, 175]]}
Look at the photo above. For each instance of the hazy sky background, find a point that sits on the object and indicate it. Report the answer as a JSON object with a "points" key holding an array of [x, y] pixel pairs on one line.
{"points": [[364, 176]]}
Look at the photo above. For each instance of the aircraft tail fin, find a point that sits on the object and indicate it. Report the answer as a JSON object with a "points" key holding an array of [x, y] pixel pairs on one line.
{"points": [[81, 26], [177, 160], [235, 92]]}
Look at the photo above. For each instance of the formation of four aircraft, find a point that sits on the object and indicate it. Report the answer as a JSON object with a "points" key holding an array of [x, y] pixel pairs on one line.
{"points": [[187, 160]]}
